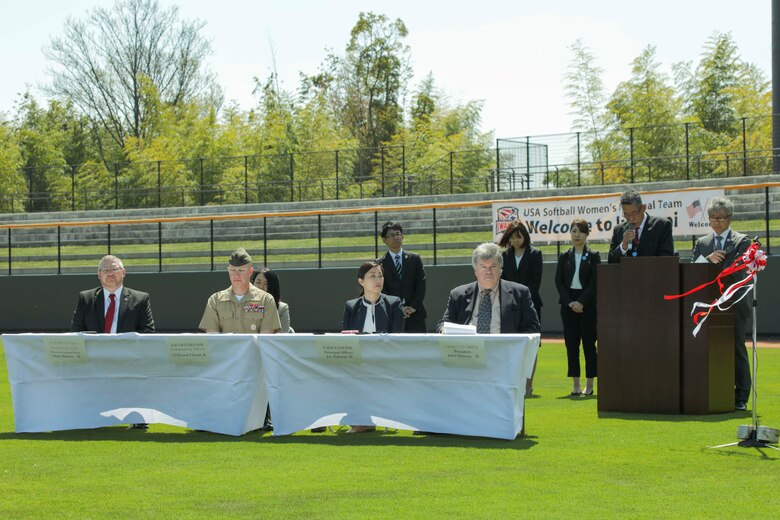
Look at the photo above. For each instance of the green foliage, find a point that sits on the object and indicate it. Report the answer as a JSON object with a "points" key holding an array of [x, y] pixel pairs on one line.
{"points": [[585, 92], [14, 191]]}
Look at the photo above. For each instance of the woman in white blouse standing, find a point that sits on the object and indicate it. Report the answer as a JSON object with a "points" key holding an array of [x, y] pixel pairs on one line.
{"points": [[575, 279]]}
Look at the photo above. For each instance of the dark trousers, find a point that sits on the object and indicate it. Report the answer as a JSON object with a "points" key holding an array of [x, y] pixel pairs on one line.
{"points": [[741, 362], [415, 325], [580, 327]]}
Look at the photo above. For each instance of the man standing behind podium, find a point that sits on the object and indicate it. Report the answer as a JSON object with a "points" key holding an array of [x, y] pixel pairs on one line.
{"points": [[404, 277], [493, 305], [722, 247], [112, 308], [640, 234]]}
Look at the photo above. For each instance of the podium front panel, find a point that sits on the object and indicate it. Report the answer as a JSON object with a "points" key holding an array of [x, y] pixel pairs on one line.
{"points": [[639, 336]]}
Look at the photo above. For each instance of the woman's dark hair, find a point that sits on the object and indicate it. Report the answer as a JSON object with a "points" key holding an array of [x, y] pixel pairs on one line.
{"points": [[518, 226], [581, 224], [366, 267], [273, 283]]}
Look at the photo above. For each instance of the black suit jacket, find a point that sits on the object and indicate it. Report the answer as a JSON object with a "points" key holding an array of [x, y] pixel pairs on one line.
{"points": [[528, 273], [735, 246], [135, 312], [411, 286], [388, 313], [655, 239], [517, 308], [564, 274]]}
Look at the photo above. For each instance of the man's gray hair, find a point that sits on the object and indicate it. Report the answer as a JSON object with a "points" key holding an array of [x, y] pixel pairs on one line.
{"points": [[720, 205], [631, 197], [110, 258], [487, 251]]}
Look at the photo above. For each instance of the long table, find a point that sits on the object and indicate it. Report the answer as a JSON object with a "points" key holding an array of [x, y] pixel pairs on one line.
{"points": [[467, 385], [211, 382]]}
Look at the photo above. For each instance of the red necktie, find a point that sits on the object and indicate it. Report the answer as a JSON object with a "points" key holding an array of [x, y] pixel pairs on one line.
{"points": [[110, 314]]}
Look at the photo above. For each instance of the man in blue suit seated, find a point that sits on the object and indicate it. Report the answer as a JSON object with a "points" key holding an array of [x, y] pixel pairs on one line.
{"points": [[493, 305]]}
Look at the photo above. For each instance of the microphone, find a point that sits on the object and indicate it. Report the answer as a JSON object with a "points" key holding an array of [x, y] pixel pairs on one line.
{"points": [[630, 244]]}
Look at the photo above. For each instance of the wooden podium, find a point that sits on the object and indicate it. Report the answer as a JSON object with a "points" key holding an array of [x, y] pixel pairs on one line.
{"points": [[648, 360]]}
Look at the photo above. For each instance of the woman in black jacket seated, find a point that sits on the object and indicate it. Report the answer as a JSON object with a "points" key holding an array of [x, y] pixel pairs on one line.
{"points": [[575, 279], [523, 264], [373, 311]]}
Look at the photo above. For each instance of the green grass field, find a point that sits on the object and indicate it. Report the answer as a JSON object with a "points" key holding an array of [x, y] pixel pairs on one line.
{"points": [[573, 463]]}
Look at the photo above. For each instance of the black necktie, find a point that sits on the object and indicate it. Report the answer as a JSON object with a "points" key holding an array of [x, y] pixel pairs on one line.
{"points": [[398, 267], [718, 242], [485, 313]]}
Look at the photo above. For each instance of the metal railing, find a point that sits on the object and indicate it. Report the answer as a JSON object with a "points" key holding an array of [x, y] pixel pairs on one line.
{"points": [[440, 232], [619, 155]]}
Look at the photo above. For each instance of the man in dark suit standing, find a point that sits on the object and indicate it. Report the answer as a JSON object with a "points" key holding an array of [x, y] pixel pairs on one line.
{"points": [[404, 277], [640, 234], [722, 247], [493, 305], [113, 308]]}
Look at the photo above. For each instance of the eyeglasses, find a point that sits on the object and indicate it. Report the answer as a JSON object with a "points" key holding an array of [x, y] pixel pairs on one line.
{"points": [[239, 270], [394, 235], [114, 269], [719, 219]]}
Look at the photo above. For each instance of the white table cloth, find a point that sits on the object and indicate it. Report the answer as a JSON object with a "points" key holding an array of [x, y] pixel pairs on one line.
{"points": [[466, 385], [209, 382]]}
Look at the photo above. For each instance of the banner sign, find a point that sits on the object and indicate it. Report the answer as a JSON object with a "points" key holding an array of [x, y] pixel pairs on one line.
{"points": [[550, 221]]}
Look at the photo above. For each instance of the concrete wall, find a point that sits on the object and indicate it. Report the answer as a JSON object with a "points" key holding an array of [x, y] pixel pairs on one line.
{"points": [[45, 303]]}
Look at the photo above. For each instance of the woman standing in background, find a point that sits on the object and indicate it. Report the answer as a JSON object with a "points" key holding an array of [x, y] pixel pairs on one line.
{"points": [[523, 264], [575, 279]]}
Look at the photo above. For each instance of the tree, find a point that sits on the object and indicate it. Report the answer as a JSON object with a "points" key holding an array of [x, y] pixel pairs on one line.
{"points": [[105, 60], [14, 193], [645, 110], [367, 85], [585, 90], [718, 72], [52, 142]]}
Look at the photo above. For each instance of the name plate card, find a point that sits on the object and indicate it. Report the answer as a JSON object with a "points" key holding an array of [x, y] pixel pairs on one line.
{"points": [[339, 349], [463, 352], [188, 351], [65, 350]]}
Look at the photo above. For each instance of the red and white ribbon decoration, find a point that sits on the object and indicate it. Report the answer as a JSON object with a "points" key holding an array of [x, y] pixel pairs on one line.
{"points": [[752, 261]]}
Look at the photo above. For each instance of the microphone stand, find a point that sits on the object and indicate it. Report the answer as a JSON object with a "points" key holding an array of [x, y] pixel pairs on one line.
{"points": [[754, 436]]}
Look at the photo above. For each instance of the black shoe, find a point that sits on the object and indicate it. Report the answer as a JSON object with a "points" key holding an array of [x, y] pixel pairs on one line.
{"points": [[138, 426], [741, 407]]}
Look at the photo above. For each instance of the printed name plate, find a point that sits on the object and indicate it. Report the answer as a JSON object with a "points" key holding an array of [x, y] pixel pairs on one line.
{"points": [[188, 351], [64, 350], [464, 352], [339, 348]]}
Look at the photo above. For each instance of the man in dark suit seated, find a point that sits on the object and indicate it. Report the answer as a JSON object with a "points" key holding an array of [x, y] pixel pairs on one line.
{"points": [[113, 308], [404, 277], [640, 234], [722, 247], [494, 305]]}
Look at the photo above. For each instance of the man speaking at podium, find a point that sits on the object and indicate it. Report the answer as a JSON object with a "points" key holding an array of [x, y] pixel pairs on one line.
{"points": [[640, 234]]}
